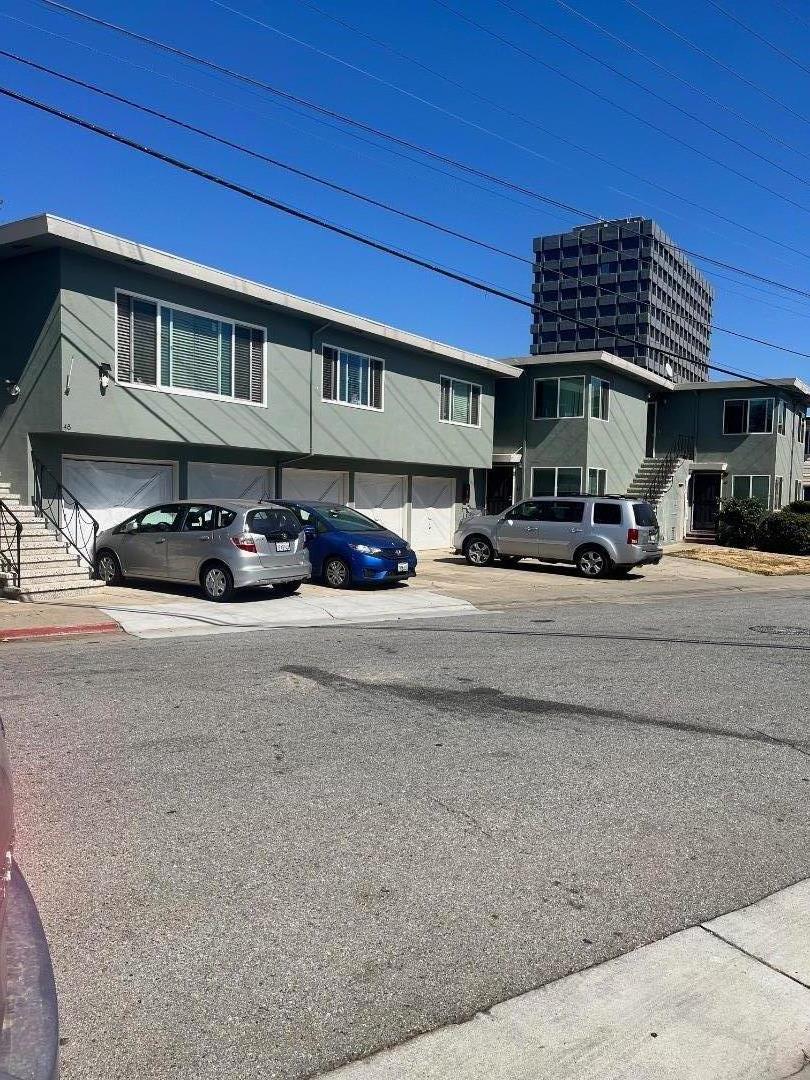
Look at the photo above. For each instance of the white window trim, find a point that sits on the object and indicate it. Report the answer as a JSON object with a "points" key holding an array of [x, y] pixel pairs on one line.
{"points": [[181, 391], [780, 408], [452, 379], [751, 477], [556, 378], [556, 468], [596, 381], [778, 482], [736, 434], [596, 469], [350, 404]]}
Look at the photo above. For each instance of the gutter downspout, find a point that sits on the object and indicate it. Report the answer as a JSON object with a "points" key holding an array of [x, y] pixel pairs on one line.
{"points": [[304, 457]]}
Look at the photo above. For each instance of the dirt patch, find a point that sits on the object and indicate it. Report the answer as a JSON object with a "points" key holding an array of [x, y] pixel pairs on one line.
{"points": [[754, 562]]}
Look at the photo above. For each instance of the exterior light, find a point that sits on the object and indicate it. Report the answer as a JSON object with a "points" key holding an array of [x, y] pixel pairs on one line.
{"points": [[104, 371], [12, 389]]}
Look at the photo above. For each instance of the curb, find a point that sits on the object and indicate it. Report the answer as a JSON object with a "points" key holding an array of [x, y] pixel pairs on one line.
{"points": [[24, 633]]}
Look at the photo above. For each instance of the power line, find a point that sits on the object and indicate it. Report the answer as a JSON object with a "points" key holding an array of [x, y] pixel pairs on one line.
{"points": [[295, 170], [339, 230], [577, 212], [621, 108], [760, 37], [793, 14], [715, 60]]}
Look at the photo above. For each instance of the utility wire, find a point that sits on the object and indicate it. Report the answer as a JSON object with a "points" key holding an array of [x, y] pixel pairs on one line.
{"points": [[670, 72], [716, 60], [621, 108], [760, 37], [339, 230], [793, 14], [467, 89]]}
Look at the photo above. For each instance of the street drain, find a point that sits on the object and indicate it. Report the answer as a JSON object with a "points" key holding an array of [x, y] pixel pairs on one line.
{"points": [[782, 631]]}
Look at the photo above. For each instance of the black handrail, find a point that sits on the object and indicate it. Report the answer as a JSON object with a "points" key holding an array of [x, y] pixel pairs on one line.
{"points": [[10, 533], [72, 521], [683, 447]]}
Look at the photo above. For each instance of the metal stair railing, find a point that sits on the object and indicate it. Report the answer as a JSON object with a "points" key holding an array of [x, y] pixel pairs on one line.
{"points": [[683, 447], [10, 534], [74, 522]]}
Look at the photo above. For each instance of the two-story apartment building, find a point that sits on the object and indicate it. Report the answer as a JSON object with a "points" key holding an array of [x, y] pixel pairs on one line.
{"points": [[591, 421], [135, 376]]}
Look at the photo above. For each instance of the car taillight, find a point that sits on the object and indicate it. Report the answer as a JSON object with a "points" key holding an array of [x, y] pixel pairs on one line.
{"points": [[632, 536], [244, 543]]}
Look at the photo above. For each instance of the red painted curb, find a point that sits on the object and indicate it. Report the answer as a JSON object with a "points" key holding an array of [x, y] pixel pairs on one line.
{"points": [[57, 631]]}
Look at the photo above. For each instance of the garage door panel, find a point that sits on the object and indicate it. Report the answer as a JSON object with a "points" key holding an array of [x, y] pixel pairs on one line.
{"points": [[316, 485], [112, 490], [382, 497], [433, 511], [218, 480]]}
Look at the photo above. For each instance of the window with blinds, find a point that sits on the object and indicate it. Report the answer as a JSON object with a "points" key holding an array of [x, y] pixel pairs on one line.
{"points": [[460, 402], [177, 349], [352, 379]]}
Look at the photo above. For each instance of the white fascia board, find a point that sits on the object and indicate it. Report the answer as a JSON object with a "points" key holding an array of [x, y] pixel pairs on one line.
{"points": [[94, 240], [595, 356], [796, 385]]}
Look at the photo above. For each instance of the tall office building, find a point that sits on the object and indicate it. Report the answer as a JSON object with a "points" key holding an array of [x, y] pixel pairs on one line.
{"points": [[627, 278]]}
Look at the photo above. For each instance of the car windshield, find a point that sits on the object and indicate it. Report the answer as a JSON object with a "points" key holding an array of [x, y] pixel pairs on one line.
{"points": [[343, 517], [645, 515]]}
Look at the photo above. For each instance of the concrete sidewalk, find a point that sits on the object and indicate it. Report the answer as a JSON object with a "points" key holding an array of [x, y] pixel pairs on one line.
{"points": [[20, 620], [728, 1000]]}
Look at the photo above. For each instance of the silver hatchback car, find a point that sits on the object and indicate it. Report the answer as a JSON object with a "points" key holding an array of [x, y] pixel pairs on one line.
{"points": [[599, 535], [220, 545]]}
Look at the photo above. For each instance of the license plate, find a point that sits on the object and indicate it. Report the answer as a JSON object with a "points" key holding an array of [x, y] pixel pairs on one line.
{"points": [[402, 568], [282, 545]]}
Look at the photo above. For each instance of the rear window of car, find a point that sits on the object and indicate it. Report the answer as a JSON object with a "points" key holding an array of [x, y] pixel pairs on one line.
{"points": [[273, 520], [645, 515], [607, 513]]}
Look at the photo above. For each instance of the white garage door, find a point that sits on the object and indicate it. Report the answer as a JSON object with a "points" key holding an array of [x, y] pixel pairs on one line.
{"points": [[112, 490], [382, 498], [315, 485], [213, 480], [433, 513]]}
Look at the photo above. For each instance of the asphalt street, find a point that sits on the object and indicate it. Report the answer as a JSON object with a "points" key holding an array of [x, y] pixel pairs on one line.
{"points": [[261, 855]]}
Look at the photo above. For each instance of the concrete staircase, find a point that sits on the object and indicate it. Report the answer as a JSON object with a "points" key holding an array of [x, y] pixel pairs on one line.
{"points": [[49, 568], [647, 478]]}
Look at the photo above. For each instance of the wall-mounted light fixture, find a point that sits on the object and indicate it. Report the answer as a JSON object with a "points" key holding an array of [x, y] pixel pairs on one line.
{"points": [[104, 372], [12, 389]]}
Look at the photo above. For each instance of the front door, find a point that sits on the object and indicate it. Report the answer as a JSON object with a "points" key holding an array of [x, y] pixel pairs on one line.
{"points": [[652, 419], [500, 488], [705, 501], [517, 532]]}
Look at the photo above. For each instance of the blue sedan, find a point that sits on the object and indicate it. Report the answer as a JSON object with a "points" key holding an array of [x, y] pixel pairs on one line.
{"points": [[346, 547]]}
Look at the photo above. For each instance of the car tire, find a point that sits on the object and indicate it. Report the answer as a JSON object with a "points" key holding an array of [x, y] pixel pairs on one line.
{"points": [[108, 568], [336, 573], [593, 562], [510, 560], [217, 582], [478, 551], [286, 588]]}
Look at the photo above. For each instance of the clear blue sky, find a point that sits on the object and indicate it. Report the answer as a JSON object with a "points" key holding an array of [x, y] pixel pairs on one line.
{"points": [[47, 165]]}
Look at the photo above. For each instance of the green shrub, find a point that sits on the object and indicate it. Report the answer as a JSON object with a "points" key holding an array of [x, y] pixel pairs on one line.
{"points": [[738, 522], [801, 506], [785, 532]]}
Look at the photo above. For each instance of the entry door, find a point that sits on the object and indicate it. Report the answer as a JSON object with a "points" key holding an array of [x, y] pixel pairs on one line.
{"points": [[705, 501], [652, 421], [500, 488], [519, 533]]}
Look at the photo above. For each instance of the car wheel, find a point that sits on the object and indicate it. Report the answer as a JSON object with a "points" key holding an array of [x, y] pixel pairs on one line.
{"points": [[478, 551], [336, 573], [593, 562], [108, 568], [510, 560], [286, 588], [217, 582]]}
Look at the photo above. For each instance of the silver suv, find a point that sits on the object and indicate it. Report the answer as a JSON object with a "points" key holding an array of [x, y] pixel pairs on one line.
{"points": [[221, 546], [598, 534]]}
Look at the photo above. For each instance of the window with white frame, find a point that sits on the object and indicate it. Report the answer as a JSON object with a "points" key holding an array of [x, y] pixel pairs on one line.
{"points": [[777, 492], [176, 349], [558, 481], [781, 417], [748, 416], [350, 378], [797, 490], [557, 399], [801, 432], [752, 487], [597, 481], [600, 399], [460, 402]]}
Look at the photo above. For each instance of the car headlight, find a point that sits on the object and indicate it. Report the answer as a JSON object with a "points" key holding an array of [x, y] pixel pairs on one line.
{"points": [[366, 549]]}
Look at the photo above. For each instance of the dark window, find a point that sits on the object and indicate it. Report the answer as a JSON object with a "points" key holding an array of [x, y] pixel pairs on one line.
{"points": [[607, 513], [199, 517], [735, 417], [527, 511], [556, 510], [644, 515], [273, 522]]}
